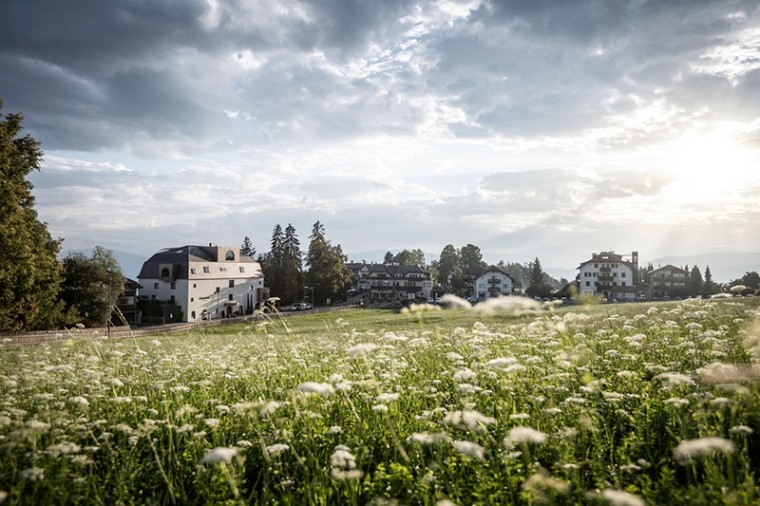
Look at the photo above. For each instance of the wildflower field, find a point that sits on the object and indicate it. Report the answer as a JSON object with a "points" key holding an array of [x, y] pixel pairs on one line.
{"points": [[620, 404]]}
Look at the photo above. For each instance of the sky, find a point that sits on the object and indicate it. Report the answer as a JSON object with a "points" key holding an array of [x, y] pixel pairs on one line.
{"points": [[529, 128]]}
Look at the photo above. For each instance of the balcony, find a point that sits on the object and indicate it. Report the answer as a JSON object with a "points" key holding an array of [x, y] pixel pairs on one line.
{"points": [[494, 281]]}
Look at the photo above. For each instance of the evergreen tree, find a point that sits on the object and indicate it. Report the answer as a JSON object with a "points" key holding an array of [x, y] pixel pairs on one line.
{"points": [[91, 285], [272, 263], [537, 279], [327, 273], [247, 248], [708, 287], [292, 265], [388, 259], [695, 282], [30, 273]]}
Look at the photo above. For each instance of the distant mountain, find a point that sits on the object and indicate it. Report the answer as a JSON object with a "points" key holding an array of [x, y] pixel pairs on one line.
{"points": [[130, 263], [724, 266]]}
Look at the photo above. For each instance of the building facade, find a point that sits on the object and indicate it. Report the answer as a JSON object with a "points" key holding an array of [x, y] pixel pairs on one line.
{"points": [[492, 282], [609, 276], [669, 281], [390, 281], [202, 282]]}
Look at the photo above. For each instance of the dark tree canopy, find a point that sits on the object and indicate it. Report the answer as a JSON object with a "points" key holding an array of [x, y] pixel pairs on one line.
{"points": [[327, 276], [91, 285], [30, 273]]}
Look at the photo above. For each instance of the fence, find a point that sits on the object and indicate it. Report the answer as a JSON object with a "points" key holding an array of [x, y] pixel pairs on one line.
{"points": [[47, 336]]}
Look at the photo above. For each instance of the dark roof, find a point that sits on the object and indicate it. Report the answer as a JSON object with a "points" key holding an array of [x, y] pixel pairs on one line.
{"points": [[182, 256], [493, 268]]}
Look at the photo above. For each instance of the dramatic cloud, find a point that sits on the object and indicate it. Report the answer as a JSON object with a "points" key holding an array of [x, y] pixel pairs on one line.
{"points": [[547, 129]]}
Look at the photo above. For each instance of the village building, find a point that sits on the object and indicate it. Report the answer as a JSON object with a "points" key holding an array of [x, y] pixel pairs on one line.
{"points": [[192, 283], [381, 282], [609, 276], [492, 282]]}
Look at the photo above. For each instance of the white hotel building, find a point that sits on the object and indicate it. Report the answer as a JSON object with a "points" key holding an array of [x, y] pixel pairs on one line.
{"points": [[609, 276], [203, 281]]}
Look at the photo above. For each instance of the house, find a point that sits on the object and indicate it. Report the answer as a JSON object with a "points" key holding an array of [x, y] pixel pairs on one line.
{"points": [[669, 281], [607, 275], [126, 311], [391, 281], [492, 282], [190, 283]]}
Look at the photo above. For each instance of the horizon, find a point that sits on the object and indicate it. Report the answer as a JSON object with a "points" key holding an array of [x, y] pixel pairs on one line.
{"points": [[527, 129]]}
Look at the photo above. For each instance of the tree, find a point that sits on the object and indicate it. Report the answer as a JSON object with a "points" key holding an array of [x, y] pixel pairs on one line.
{"points": [[30, 273], [91, 285], [708, 287], [449, 266], [272, 262], [695, 282], [327, 273], [751, 280], [292, 265], [247, 248], [471, 258], [538, 286], [407, 257], [388, 259]]}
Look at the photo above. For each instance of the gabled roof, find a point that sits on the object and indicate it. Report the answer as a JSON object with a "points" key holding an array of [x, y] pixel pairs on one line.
{"points": [[671, 268], [492, 269], [606, 256]]}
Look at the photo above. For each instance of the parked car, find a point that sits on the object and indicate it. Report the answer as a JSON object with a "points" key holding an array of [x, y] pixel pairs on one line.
{"points": [[290, 307]]}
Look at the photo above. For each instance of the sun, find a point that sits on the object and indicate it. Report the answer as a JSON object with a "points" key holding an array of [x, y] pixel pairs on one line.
{"points": [[708, 168]]}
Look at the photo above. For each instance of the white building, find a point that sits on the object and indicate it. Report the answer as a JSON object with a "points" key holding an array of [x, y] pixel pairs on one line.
{"points": [[493, 282], [391, 281], [213, 281], [609, 276]]}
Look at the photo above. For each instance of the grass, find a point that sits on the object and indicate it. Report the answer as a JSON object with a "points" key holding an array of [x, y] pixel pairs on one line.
{"points": [[621, 404]]}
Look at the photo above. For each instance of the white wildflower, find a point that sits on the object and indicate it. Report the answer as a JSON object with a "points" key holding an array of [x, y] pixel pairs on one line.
{"points": [[316, 388], [380, 408], [33, 474], [472, 450], [219, 454], [387, 397], [361, 349], [741, 429], [464, 375], [518, 435], [692, 449], [469, 420], [428, 438], [277, 449], [621, 498]]}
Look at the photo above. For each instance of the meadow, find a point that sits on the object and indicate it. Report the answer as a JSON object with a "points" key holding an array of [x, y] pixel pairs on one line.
{"points": [[513, 403]]}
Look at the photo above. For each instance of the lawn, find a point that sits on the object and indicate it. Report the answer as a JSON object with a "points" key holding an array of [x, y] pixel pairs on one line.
{"points": [[613, 404]]}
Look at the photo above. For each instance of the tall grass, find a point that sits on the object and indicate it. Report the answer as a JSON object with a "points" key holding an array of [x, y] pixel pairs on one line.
{"points": [[626, 404]]}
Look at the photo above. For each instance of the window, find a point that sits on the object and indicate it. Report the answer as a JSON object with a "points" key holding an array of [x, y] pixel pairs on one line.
{"points": [[229, 297], [155, 286], [192, 270], [171, 299], [622, 283], [596, 266], [217, 289], [192, 299], [206, 269], [195, 285], [242, 269], [232, 283], [153, 297], [622, 274], [174, 285], [192, 315], [165, 272], [223, 269], [230, 255], [588, 283]]}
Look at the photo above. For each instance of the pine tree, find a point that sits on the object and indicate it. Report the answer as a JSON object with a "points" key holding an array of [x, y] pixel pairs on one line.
{"points": [[30, 273], [292, 265], [695, 282], [272, 263], [247, 247], [449, 266], [708, 287], [327, 273]]}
